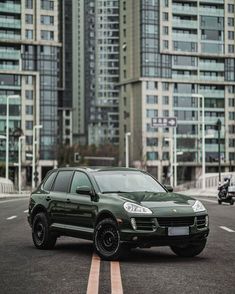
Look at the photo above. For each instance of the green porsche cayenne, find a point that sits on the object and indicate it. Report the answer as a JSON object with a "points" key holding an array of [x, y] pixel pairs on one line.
{"points": [[117, 208]]}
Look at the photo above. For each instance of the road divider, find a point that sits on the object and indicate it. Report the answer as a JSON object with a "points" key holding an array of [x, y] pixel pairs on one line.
{"points": [[12, 217], [116, 280], [93, 281], [227, 229]]}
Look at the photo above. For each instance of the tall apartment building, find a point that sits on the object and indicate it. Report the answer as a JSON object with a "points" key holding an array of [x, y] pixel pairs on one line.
{"points": [[171, 50], [30, 54]]}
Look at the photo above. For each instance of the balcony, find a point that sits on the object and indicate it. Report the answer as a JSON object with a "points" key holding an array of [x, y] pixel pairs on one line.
{"points": [[12, 8], [7, 54], [190, 24], [211, 120], [183, 77], [214, 1], [214, 147], [9, 67], [212, 78], [185, 37], [211, 66], [9, 36], [211, 11], [183, 9], [10, 23], [212, 93]]}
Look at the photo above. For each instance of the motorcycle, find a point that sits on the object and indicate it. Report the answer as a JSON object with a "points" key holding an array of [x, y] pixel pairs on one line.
{"points": [[226, 191]]}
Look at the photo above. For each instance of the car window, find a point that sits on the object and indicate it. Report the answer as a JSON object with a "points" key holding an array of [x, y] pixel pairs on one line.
{"points": [[79, 179], [49, 181], [62, 181]]}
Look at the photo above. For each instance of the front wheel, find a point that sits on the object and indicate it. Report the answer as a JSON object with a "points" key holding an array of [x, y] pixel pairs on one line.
{"points": [[231, 201], [107, 240], [219, 202], [190, 250], [42, 237]]}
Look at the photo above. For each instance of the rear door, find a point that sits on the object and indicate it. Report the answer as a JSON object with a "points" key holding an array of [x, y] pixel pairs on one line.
{"points": [[80, 209], [58, 196]]}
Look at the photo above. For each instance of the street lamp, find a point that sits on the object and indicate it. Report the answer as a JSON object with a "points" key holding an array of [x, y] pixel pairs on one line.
{"points": [[4, 138], [21, 138], [127, 148], [167, 139], [218, 127], [7, 133], [199, 96], [34, 153]]}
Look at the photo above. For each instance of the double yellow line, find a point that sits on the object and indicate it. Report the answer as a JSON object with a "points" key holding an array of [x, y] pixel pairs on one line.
{"points": [[93, 281]]}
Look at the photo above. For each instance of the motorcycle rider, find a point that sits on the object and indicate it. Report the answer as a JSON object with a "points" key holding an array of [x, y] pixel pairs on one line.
{"points": [[223, 188]]}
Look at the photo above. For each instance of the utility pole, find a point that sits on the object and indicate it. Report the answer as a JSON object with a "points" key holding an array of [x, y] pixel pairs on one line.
{"points": [[218, 126]]}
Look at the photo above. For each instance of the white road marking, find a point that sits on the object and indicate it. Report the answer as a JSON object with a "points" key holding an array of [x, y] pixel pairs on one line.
{"points": [[93, 281], [227, 229], [26, 211], [116, 280], [12, 217]]}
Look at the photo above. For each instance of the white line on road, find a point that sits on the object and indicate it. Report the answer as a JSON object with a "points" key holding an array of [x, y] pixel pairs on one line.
{"points": [[26, 211], [227, 229], [116, 280], [12, 217], [93, 281]]}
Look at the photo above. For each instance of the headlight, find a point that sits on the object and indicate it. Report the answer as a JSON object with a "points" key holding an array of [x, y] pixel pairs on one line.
{"points": [[135, 208], [198, 206]]}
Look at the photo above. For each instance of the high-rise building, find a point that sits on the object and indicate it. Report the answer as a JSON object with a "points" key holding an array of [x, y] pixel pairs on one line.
{"points": [[30, 66], [171, 51]]}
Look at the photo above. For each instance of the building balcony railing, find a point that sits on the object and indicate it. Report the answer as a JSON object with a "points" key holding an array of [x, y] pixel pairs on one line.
{"points": [[211, 11], [214, 1], [183, 9], [190, 77], [9, 36], [184, 37], [211, 66], [213, 119], [10, 23], [4, 54], [212, 93], [212, 78], [9, 66], [214, 147], [185, 23], [8, 7]]}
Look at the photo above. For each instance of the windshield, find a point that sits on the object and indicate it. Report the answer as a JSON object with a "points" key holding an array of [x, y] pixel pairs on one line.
{"points": [[126, 181]]}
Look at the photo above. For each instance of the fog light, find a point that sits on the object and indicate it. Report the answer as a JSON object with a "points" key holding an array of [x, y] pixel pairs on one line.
{"points": [[133, 223], [135, 238], [207, 221]]}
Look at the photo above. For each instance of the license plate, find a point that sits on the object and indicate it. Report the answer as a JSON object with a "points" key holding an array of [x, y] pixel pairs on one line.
{"points": [[178, 231]]}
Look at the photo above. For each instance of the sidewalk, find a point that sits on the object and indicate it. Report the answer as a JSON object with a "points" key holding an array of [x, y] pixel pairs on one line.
{"points": [[15, 195], [208, 192]]}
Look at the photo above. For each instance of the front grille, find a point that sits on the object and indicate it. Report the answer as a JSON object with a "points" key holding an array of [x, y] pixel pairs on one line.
{"points": [[201, 221], [145, 223], [175, 221]]}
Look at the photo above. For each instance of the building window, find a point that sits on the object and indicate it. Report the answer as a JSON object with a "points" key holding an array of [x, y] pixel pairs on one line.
{"points": [[165, 155], [152, 141], [165, 100], [67, 122], [29, 80], [230, 21], [151, 99], [29, 94], [151, 113], [29, 124], [29, 140], [231, 115], [165, 16], [47, 19], [151, 85], [165, 30], [230, 35], [231, 156], [166, 3], [29, 4], [165, 113], [47, 35], [29, 34], [231, 102], [165, 44], [152, 155], [29, 18], [47, 5], [231, 8], [29, 109], [165, 86], [230, 48]]}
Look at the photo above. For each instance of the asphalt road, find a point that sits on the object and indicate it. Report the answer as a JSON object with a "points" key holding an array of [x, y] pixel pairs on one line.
{"points": [[72, 268]]}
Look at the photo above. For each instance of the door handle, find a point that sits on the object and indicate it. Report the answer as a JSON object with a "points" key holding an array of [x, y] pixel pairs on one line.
{"points": [[48, 198], [68, 200]]}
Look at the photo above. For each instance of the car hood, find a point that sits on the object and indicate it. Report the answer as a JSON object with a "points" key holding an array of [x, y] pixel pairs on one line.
{"points": [[162, 201]]}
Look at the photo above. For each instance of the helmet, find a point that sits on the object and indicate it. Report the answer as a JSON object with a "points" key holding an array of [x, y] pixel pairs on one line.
{"points": [[226, 178]]}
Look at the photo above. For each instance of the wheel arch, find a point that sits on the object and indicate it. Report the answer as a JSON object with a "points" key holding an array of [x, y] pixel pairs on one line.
{"points": [[103, 215], [37, 209]]}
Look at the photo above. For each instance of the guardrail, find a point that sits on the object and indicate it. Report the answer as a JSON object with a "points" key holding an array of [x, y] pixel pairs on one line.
{"points": [[6, 186]]}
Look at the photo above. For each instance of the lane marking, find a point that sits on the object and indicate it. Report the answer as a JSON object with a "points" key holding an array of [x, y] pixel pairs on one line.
{"points": [[26, 211], [116, 280], [93, 281], [227, 229], [12, 217]]}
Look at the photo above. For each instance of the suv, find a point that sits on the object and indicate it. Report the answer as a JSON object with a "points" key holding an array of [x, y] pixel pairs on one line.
{"points": [[117, 208]]}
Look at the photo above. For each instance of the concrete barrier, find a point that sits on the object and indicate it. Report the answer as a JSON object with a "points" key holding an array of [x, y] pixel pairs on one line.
{"points": [[6, 186]]}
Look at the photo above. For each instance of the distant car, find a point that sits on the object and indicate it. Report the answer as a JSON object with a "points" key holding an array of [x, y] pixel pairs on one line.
{"points": [[118, 209]]}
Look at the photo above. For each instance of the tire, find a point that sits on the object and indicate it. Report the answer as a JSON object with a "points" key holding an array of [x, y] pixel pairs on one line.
{"points": [[190, 250], [219, 202], [107, 240], [42, 237], [231, 202]]}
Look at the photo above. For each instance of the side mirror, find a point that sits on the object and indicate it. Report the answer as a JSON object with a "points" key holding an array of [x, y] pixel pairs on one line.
{"points": [[169, 188], [84, 190]]}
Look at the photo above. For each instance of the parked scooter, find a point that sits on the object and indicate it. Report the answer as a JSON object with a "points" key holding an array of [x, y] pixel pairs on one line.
{"points": [[226, 191]]}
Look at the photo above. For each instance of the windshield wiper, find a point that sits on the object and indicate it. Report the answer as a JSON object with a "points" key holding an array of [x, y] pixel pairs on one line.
{"points": [[107, 192]]}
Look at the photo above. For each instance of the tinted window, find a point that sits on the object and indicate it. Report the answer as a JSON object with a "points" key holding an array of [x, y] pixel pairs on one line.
{"points": [[48, 183], [62, 181], [80, 179]]}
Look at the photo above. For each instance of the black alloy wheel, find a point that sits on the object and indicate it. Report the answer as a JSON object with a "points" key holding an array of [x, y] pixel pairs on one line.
{"points": [[107, 240], [42, 237]]}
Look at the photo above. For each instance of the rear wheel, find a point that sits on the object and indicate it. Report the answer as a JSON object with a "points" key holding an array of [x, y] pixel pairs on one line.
{"points": [[42, 237], [107, 240], [219, 202], [231, 201], [190, 250]]}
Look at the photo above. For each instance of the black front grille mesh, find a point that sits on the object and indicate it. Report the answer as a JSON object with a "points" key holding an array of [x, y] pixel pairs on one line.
{"points": [[175, 221], [145, 223], [201, 221]]}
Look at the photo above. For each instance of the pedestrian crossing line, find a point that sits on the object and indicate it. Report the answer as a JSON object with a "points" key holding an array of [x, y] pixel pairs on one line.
{"points": [[93, 281], [26, 211], [12, 217], [116, 280], [227, 229]]}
